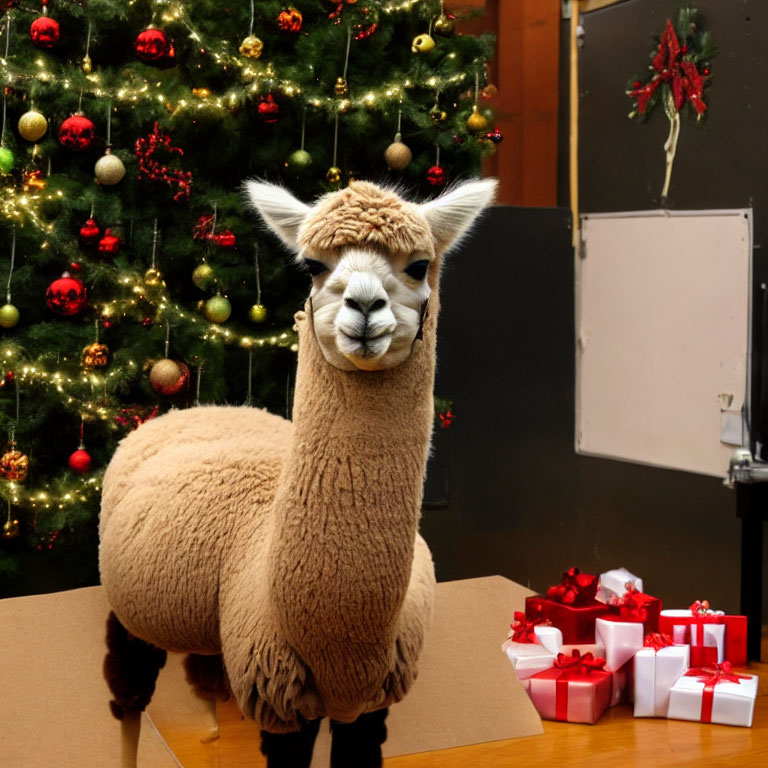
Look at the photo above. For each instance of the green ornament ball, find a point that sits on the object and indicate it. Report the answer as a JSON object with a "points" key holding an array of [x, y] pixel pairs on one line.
{"points": [[257, 313], [218, 309], [202, 276], [9, 316], [6, 160], [299, 160]]}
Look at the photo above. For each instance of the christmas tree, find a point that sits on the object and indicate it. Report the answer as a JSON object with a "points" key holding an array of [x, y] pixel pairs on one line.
{"points": [[137, 279]]}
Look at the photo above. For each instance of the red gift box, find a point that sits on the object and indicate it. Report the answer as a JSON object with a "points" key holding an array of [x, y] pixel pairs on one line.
{"points": [[570, 606], [637, 606], [576, 689]]}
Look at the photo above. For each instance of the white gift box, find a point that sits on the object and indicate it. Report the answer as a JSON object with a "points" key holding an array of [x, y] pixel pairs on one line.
{"points": [[622, 640], [714, 634], [655, 673], [550, 638], [614, 584], [733, 703], [528, 658]]}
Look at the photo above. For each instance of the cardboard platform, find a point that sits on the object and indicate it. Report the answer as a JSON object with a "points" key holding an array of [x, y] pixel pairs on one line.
{"points": [[54, 701]]}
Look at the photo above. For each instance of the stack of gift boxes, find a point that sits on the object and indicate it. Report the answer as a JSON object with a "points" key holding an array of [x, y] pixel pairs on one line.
{"points": [[595, 642]]}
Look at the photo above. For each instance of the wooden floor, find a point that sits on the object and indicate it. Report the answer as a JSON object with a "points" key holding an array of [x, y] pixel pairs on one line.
{"points": [[617, 740]]}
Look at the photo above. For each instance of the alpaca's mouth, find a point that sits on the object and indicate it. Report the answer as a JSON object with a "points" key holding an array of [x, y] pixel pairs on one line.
{"points": [[364, 347]]}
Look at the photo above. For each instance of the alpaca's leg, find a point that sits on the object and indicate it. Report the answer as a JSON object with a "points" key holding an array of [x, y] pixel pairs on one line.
{"points": [[206, 674], [131, 667], [358, 744], [290, 750]]}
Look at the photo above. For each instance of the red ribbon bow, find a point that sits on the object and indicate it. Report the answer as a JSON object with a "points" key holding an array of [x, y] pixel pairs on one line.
{"points": [[575, 588], [657, 641], [700, 608], [670, 67], [578, 663], [632, 604], [523, 629], [711, 676]]}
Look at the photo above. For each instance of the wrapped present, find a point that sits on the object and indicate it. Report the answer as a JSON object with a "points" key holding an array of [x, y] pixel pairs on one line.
{"points": [[570, 606], [621, 638], [657, 667], [714, 694], [576, 689], [698, 627], [635, 605], [621, 685], [613, 584], [531, 646], [536, 631]]}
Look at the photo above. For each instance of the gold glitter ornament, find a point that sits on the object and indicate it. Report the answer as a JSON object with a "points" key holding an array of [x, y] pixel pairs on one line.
{"points": [[218, 309], [153, 276], [252, 47], [341, 88], [86, 64], [109, 169], [32, 125], [422, 44], [333, 175], [95, 356], [257, 313], [438, 115], [397, 155], [14, 465], [476, 122], [9, 316], [202, 276], [444, 26]]}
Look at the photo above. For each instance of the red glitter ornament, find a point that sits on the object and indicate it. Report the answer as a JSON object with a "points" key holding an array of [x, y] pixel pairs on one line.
{"points": [[77, 132], [75, 266], [80, 461], [289, 20], [44, 32], [268, 109], [436, 176], [153, 47], [109, 244], [150, 168], [90, 233], [66, 296]]}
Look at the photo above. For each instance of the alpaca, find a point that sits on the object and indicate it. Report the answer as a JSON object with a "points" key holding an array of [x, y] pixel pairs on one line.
{"points": [[291, 549]]}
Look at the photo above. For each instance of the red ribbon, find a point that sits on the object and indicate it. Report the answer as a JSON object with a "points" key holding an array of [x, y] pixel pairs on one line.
{"points": [[523, 629], [700, 608], [670, 67], [575, 588], [657, 641], [632, 604], [570, 666], [712, 676]]}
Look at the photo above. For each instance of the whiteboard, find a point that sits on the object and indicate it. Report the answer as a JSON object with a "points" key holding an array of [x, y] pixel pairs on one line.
{"points": [[662, 337]]}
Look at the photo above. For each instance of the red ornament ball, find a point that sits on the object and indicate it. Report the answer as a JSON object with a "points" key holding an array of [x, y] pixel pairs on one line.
{"points": [[109, 244], [153, 47], [44, 32], [90, 233], [77, 132], [436, 176], [268, 109], [289, 20], [80, 461], [66, 296]]}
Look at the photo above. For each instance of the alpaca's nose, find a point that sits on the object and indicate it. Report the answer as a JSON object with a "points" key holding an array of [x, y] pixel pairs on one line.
{"points": [[365, 293]]}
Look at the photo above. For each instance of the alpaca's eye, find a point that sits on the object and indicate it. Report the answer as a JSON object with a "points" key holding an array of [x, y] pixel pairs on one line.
{"points": [[314, 267], [418, 269]]}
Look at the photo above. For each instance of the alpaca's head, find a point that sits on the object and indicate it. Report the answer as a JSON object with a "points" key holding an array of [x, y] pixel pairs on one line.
{"points": [[374, 260]]}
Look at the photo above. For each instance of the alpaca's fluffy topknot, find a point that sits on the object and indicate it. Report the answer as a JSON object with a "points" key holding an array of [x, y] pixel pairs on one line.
{"points": [[366, 215]]}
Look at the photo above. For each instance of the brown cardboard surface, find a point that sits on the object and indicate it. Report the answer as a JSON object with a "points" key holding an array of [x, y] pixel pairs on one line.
{"points": [[53, 699], [54, 702]]}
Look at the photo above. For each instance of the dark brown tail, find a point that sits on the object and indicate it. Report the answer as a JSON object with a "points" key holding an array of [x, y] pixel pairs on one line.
{"points": [[131, 667]]}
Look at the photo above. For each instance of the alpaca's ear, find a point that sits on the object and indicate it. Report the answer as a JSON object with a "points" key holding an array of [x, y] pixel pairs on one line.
{"points": [[451, 215], [281, 211]]}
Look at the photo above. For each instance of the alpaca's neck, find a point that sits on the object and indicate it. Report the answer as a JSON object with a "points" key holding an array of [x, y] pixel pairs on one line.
{"points": [[346, 513]]}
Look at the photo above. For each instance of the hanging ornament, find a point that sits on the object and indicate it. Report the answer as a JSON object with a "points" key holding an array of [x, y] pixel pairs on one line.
{"points": [[298, 161], [32, 125], [44, 31], [6, 160], [80, 461], [341, 88], [205, 229], [66, 296], [289, 20], [11, 527], [218, 309], [333, 175], [147, 147], [90, 234], [438, 115], [489, 92], [95, 356], [436, 176], [397, 155], [9, 316], [476, 122], [14, 465], [202, 276], [33, 180], [224, 239], [168, 377], [153, 277], [153, 47], [86, 64], [109, 245], [444, 25], [77, 132], [422, 44], [268, 109], [251, 47], [495, 136], [257, 313], [109, 168]]}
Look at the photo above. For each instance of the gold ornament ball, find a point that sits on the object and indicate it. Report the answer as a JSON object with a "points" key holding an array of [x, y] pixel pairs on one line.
{"points": [[153, 276], [202, 276], [398, 155], [476, 122], [11, 529], [165, 375], [218, 309], [298, 161], [444, 26], [438, 115], [251, 47], [109, 169], [257, 313], [86, 64], [422, 44], [32, 125], [341, 88], [333, 176], [9, 316]]}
